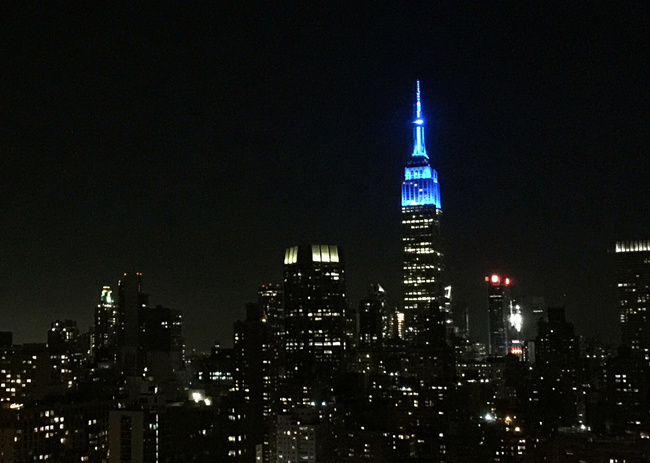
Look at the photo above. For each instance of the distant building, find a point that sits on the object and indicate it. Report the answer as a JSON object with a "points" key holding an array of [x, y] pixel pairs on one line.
{"points": [[422, 247], [633, 294], [498, 304]]}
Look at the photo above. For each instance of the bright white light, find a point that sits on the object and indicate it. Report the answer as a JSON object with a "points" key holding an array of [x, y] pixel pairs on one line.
{"points": [[197, 397], [517, 321], [489, 417]]}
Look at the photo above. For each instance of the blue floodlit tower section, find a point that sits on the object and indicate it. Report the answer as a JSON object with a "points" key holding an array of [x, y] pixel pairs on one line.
{"points": [[423, 258]]}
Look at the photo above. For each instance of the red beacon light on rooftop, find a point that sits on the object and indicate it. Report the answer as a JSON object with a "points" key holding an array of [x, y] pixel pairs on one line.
{"points": [[496, 279]]}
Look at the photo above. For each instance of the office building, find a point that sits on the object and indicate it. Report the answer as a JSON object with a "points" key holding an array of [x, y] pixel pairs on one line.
{"points": [[633, 295], [422, 250], [315, 309]]}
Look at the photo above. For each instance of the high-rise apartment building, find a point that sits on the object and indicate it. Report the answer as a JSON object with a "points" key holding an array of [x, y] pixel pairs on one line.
{"points": [[421, 212], [633, 294], [315, 310], [498, 310]]}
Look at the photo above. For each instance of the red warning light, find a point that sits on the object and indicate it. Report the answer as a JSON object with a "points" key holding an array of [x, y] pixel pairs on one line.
{"points": [[507, 281], [495, 279]]}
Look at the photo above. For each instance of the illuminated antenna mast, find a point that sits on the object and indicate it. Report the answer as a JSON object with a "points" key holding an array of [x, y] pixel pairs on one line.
{"points": [[419, 149]]}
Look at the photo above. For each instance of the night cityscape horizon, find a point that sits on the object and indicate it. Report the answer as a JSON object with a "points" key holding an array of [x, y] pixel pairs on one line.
{"points": [[320, 234], [120, 155]]}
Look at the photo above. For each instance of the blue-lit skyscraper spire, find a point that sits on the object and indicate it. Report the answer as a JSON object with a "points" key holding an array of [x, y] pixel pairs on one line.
{"points": [[419, 148], [420, 179], [421, 212]]}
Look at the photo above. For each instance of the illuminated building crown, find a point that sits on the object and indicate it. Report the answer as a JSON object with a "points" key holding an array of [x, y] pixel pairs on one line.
{"points": [[420, 186]]}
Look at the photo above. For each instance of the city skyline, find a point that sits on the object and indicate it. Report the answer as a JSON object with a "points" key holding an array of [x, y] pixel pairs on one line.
{"points": [[195, 145]]}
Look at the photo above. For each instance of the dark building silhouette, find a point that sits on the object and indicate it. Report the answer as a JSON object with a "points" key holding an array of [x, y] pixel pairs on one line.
{"points": [[62, 336], [422, 247], [554, 388], [372, 317], [257, 372], [556, 343], [6, 338], [460, 316], [130, 300], [161, 348]]}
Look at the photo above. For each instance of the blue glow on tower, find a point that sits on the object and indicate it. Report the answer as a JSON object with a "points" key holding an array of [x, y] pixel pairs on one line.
{"points": [[419, 149], [420, 186]]}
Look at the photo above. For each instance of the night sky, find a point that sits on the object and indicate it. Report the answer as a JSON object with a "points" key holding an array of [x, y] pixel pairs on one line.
{"points": [[195, 142]]}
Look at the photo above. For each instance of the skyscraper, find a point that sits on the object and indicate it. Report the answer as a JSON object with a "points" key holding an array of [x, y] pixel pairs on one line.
{"points": [[498, 303], [315, 311], [421, 212], [633, 293]]}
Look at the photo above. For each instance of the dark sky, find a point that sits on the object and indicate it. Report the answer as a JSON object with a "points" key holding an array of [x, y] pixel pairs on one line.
{"points": [[195, 142]]}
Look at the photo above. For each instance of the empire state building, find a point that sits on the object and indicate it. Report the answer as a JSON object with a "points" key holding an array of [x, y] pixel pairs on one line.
{"points": [[421, 212]]}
